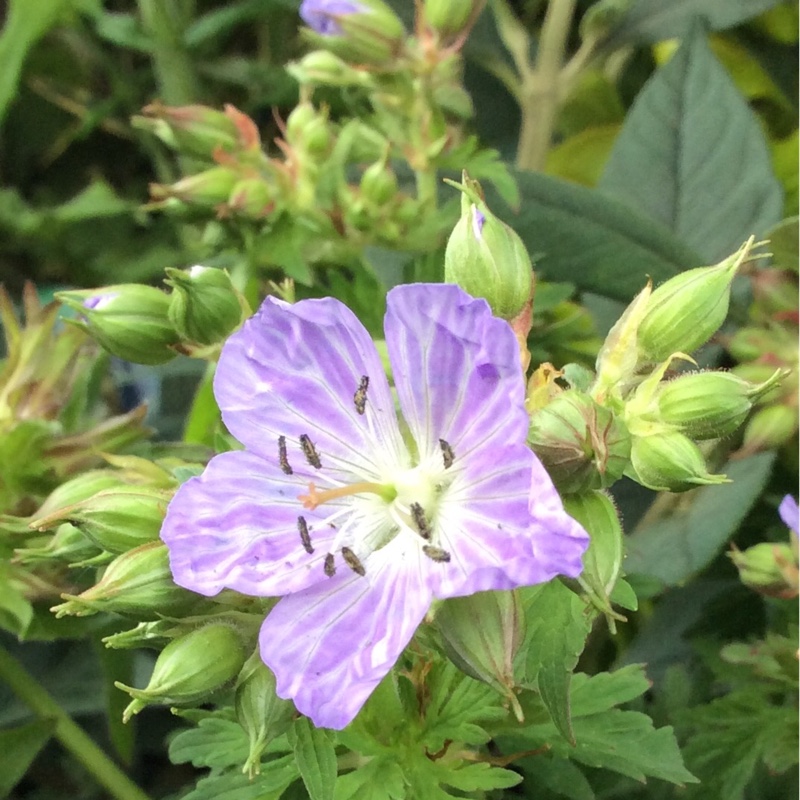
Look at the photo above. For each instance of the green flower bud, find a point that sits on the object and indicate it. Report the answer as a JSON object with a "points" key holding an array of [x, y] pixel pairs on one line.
{"points": [[683, 313], [205, 306], [770, 427], [770, 569], [253, 198], [67, 544], [748, 344], [669, 462], [195, 130], [206, 189], [155, 635], [137, 583], [368, 32], [322, 68], [81, 487], [581, 444], [709, 405], [378, 184], [190, 669], [308, 130], [450, 17], [116, 520], [486, 258], [482, 634], [129, 320], [261, 713]]}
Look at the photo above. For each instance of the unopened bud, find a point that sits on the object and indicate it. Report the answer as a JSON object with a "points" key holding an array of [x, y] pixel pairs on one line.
{"points": [[137, 583], [378, 184], [709, 405], [190, 669], [482, 634], [449, 17], [67, 544], [486, 258], [261, 713], [253, 198], [129, 320], [206, 189], [748, 344], [769, 569], [195, 130], [669, 462], [79, 488], [116, 520], [770, 427], [308, 130], [321, 68], [685, 311], [155, 634], [581, 444], [204, 306], [360, 31]]}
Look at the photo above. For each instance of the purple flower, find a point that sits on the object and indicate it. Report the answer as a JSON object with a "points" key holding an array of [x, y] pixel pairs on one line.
{"points": [[322, 16], [361, 522], [789, 513]]}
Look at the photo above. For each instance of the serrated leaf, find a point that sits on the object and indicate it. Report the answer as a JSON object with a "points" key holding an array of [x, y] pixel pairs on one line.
{"points": [[316, 758], [557, 629], [681, 535], [558, 775], [215, 743], [477, 777], [593, 695], [18, 747], [275, 777], [656, 20], [582, 236], [379, 779], [706, 175]]}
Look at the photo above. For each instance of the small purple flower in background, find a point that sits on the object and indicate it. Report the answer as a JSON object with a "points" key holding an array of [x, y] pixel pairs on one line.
{"points": [[322, 16], [359, 522], [790, 513]]}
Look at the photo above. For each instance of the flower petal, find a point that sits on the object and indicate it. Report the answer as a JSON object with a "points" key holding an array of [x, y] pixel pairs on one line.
{"points": [[456, 367], [790, 514], [236, 526], [331, 645], [294, 370]]}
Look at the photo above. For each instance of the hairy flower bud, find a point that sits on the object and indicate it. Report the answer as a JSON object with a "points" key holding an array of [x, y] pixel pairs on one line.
{"points": [[486, 258], [253, 198], [67, 544], [378, 184], [116, 520], [709, 405], [685, 311], [261, 713], [195, 130], [669, 462], [129, 320], [482, 634], [770, 427], [137, 583], [79, 488], [449, 17], [190, 669], [204, 306], [581, 444], [360, 31], [205, 189], [769, 569], [321, 68]]}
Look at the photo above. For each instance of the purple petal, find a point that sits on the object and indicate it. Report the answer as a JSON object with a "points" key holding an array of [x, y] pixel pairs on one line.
{"points": [[789, 513], [322, 16], [294, 370], [235, 526], [478, 219], [331, 645], [457, 369], [99, 300]]}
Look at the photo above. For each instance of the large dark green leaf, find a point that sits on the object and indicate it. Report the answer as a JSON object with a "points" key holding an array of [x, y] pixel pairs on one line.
{"points": [[692, 155], [18, 747], [655, 20], [582, 236]]}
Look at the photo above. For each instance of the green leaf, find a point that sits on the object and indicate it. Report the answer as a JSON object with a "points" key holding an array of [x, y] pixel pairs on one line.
{"points": [[593, 695], [379, 779], [316, 758], [18, 747], [275, 777], [558, 775], [558, 625], [477, 777], [681, 535], [216, 743], [691, 154], [656, 20], [582, 236]]}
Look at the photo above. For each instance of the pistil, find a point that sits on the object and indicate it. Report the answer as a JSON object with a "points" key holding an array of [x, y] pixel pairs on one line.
{"points": [[316, 498]]}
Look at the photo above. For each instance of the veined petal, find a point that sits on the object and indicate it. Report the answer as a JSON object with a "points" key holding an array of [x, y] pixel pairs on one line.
{"points": [[236, 527], [456, 367], [294, 370], [330, 645]]}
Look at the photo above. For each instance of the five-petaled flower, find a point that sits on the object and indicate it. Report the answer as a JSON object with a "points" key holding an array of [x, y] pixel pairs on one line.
{"points": [[357, 519], [323, 16]]}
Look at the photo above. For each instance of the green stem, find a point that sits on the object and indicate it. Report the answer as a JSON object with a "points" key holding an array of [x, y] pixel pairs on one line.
{"points": [[70, 734], [541, 90], [161, 20]]}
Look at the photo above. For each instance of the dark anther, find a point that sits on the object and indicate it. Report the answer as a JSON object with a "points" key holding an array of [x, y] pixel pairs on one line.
{"points": [[282, 459], [309, 451], [360, 397], [330, 567], [436, 553], [418, 515], [353, 561], [305, 538], [447, 454]]}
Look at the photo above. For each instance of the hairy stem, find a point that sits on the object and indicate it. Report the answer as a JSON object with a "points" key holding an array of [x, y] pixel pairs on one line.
{"points": [[69, 733]]}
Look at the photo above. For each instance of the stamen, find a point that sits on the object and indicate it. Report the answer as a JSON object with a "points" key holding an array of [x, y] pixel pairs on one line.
{"points": [[418, 515], [305, 538], [309, 451], [353, 561], [436, 553], [282, 458], [315, 498], [330, 567], [360, 397], [448, 456]]}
